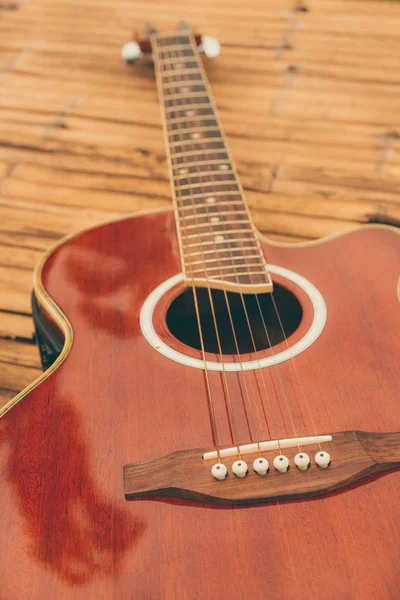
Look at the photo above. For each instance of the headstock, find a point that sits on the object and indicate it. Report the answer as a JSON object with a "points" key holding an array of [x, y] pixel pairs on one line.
{"points": [[141, 49]]}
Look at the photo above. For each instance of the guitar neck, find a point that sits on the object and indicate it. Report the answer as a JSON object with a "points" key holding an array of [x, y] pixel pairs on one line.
{"points": [[218, 242]]}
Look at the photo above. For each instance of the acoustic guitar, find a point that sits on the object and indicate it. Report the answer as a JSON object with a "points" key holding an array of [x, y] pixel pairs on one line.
{"points": [[219, 414]]}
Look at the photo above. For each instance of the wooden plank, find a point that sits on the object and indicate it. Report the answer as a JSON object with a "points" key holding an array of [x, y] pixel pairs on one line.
{"points": [[21, 354], [16, 326], [15, 378]]}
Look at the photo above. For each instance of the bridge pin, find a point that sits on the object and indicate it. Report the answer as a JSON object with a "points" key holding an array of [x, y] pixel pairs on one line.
{"points": [[239, 468], [261, 466], [219, 471], [323, 459], [302, 461], [281, 463]]}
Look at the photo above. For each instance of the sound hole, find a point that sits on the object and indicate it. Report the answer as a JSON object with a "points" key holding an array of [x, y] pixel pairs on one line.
{"points": [[182, 320]]}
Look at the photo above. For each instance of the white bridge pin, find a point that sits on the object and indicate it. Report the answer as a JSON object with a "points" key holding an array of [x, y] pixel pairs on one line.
{"points": [[219, 471], [323, 459], [239, 468], [281, 463], [261, 466], [302, 461]]}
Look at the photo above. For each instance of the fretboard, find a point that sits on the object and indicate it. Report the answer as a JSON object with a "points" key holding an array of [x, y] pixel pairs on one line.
{"points": [[218, 243]]}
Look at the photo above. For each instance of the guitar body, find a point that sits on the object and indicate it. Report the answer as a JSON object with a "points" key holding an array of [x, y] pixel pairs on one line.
{"points": [[67, 530]]}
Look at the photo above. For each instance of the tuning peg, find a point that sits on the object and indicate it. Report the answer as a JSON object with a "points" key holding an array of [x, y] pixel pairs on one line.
{"points": [[131, 52], [210, 46]]}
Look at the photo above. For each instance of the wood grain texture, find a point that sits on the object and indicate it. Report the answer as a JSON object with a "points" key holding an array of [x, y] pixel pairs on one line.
{"points": [[67, 530], [309, 102]]}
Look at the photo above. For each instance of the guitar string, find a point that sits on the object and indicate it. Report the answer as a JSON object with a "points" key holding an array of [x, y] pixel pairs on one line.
{"points": [[247, 404], [278, 503], [246, 399], [264, 325], [291, 357], [250, 329], [237, 279], [295, 368], [210, 400], [231, 418], [224, 377], [250, 409]]}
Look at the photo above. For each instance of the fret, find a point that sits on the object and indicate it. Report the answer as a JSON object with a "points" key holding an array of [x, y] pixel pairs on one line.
{"points": [[211, 172], [223, 268], [221, 233], [182, 45], [205, 184], [177, 72], [210, 197], [222, 250], [183, 86], [208, 112], [191, 107], [194, 141], [213, 214], [197, 206], [187, 123], [222, 193], [207, 163], [190, 130], [239, 274], [224, 241], [200, 163], [184, 95], [234, 221], [190, 193], [182, 99], [202, 151], [228, 258], [192, 181], [230, 250], [170, 85], [169, 61]]}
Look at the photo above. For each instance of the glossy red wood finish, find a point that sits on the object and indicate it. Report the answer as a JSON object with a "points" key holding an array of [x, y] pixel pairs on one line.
{"points": [[67, 530]]}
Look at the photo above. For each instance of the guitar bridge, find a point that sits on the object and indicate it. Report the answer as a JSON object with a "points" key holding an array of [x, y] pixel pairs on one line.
{"points": [[355, 455]]}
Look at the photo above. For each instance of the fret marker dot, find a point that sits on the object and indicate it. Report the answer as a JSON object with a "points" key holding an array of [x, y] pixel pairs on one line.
{"points": [[219, 238], [185, 90], [210, 200], [214, 219], [189, 113], [195, 136], [182, 171], [223, 167]]}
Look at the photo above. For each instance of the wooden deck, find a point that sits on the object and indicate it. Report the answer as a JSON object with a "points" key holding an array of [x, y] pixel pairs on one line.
{"points": [[309, 97]]}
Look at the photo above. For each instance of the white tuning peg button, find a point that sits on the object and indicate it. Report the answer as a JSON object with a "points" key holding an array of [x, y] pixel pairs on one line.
{"points": [[281, 463], [210, 46], [302, 461], [261, 466], [219, 471], [239, 468], [131, 52], [323, 459]]}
